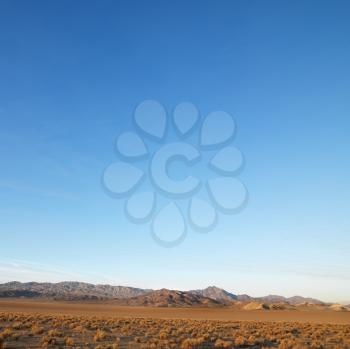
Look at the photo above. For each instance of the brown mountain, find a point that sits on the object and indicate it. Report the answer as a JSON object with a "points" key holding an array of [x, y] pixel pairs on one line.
{"points": [[210, 296], [216, 293], [68, 290], [170, 298], [221, 295], [291, 300]]}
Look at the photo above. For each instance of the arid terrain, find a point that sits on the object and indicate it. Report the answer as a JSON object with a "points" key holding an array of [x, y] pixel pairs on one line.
{"points": [[303, 314], [49, 329], [75, 315]]}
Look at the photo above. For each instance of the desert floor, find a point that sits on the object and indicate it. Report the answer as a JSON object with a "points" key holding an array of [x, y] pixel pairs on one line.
{"points": [[225, 314]]}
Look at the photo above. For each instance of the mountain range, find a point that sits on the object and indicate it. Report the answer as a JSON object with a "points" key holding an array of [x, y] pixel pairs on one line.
{"points": [[80, 291]]}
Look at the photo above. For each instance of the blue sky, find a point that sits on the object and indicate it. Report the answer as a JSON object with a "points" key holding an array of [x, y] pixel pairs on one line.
{"points": [[71, 75]]}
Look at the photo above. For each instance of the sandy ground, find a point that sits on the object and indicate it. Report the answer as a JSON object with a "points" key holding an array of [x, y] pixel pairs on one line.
{"points": [[226, 314]]}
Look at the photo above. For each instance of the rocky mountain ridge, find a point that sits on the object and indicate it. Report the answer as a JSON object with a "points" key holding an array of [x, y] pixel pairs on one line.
{"points": [[80, 291]]}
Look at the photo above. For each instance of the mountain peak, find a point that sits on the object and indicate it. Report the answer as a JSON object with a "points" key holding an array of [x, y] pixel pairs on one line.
{"points": [[171, 298], [216, 293], [74, 290]]}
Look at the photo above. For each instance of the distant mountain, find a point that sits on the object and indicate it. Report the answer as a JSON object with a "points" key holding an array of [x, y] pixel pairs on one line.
{"points": [[210, 296], [216, 293], [171, 298], [68, 291], [291, 300], [19, 294], [299, 300], [244, 298], [220, 294]]}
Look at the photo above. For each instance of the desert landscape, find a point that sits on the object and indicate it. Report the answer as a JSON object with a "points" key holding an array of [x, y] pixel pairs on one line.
{"points": [[38, 330], [174, 174], [80, 315]]}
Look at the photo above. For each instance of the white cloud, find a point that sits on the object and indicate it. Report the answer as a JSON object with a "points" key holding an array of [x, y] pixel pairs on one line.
{"points": [[24, 271]]}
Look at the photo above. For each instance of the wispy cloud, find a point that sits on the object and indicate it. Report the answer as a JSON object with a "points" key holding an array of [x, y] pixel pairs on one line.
{"points": [[26, 271], [332, 271]]}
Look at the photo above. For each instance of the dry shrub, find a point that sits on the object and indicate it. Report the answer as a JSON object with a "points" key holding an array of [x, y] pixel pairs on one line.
{"points": [[79, 329], [300, 346], [220, 343], [15, 336], [100, 335], [163, 334], [36, 329], [287, 344], [69, 341], [190, 343], [17, 325], [47, 341], [240, 341], [55, 333], [6, 333], [167, 334]]}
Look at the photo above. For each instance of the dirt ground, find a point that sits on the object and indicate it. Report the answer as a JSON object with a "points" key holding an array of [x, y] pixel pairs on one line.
{"points": [[223, 314]]}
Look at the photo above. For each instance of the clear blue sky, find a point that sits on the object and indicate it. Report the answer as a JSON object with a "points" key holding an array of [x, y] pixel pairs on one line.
{"points": [[71, 74]]}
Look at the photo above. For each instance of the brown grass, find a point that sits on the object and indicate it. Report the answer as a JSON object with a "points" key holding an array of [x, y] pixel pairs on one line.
{"points": [[24, 330]]}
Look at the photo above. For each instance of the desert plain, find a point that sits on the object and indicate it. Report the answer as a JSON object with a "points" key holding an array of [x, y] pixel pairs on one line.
{"points": [[103, 325]]}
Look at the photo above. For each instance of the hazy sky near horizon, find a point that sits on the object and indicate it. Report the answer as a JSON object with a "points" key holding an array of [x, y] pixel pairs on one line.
{"points": [[71, 75]]}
